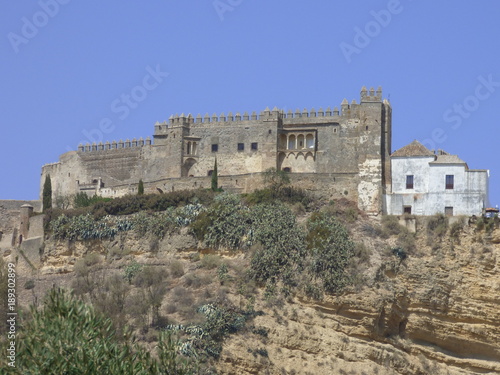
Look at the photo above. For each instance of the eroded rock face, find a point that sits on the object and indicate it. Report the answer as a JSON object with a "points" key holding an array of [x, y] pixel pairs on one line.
{"points": [[436, 313]]}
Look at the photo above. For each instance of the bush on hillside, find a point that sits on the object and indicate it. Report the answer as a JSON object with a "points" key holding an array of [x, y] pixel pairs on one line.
{"points": [[330, 249], [228, 224], [282, 251], [67, 336]]}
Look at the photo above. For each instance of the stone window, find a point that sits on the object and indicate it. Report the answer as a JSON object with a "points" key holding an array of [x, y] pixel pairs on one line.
{"points": [[407, 210], [300, 141], [210, 172], [241, 146], [287, 169], [450, 181], [310, 141], [409, 181], [254, 146], [448, 211], [215, 147]]}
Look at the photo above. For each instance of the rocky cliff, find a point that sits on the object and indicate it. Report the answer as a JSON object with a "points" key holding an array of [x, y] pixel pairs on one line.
{"points": [[432, 310]]}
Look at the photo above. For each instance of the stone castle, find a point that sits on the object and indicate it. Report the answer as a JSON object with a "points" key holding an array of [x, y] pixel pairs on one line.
{"points": [[340, 152]]}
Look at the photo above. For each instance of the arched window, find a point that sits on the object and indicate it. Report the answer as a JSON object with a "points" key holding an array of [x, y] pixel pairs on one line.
{"points": [[300, 142], [309, 141], [291, 142], [282, 141]]}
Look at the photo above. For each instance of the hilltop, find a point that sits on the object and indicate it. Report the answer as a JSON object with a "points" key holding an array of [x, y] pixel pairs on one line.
{"points": [[280, 283]]}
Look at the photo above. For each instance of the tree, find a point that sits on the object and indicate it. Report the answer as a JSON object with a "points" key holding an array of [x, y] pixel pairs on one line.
{"points": [[64, 202], [215, 181], [276, 179], [152, 282], [68, 336], [140, 189], [47, 193]]}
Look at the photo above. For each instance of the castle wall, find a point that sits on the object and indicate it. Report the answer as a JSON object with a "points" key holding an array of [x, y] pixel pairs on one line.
{"points": [[10, 211], [340, 150]]}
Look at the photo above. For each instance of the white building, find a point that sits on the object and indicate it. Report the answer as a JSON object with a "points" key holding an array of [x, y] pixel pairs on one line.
{"points": [[424, 183]]}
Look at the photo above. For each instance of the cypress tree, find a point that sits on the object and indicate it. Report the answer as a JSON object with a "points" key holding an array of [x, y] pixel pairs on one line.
{"points": [[140, 189], [47, 193], [215, 181]]}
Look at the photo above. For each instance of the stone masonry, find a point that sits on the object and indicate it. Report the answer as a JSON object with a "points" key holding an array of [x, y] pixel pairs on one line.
{"points": [[340, 152]]}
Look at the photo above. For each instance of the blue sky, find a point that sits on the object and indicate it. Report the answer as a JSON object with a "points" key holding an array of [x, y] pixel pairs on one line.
{"points": [[74, 71]]}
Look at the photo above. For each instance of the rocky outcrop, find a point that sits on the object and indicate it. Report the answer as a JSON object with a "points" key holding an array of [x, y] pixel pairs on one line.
{"points": [[436, 313]]}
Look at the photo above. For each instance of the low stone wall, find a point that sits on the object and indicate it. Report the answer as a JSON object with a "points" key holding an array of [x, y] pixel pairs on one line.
{"points": [[324, 185], [36, 226], [10, 220]]}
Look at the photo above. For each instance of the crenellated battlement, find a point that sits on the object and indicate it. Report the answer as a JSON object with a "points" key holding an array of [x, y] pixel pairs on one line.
{"points": [[371, 95], [367, 96], [114, 145], [346, 147]]}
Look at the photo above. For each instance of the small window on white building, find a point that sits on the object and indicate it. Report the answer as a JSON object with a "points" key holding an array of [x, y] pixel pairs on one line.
{"points": [[448, 211], [407, 210], [409, 181], [450, 181]]}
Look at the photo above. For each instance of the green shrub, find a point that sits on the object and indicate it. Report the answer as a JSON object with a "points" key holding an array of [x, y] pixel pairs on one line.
{"points": [[211, 261], [131, 271], [313, 291], [199, 227], [229, 223], [81, 199], [84, 227], [437, 226], [391, 226], [455, 229], [330, 249], [343, 209], [68, 337], [29, 284], [176, 269], [159, 224], [282, 248], [222, 273], [278, 188]]}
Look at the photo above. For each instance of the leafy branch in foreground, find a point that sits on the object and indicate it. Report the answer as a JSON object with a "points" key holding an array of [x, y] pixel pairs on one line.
{"points": [[68, 337]]}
